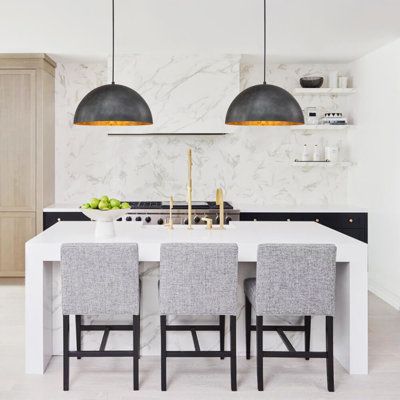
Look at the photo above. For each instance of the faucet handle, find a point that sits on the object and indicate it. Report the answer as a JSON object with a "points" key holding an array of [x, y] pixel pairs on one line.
{"points": [[219, 197], [209, 222]]}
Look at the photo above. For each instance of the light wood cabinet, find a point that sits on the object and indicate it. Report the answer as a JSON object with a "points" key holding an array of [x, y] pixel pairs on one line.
{"points": [[15, 229], [26, 152]]}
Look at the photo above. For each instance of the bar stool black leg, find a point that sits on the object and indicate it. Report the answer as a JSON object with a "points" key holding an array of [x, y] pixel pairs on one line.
{"points": [[248, 324], [307, 333], [78, 323], [222, 333], [233, 353], [66, 352], [163, 332], [136, 335], [260, 372], [329, 350]]}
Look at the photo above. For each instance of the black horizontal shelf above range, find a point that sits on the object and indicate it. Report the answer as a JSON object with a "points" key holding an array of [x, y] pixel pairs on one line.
{"points": [[169, 134]]}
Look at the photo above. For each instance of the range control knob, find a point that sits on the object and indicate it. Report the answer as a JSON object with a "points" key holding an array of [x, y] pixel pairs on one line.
{"points": [[228, 219], [148, 219], [196, 219], [119, 219], [138, 219], [185, 221], [128, 218], [160, 221]]}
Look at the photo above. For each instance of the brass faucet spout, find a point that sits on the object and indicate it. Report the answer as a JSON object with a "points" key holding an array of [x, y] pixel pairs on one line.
{"points": [[219, 200]]}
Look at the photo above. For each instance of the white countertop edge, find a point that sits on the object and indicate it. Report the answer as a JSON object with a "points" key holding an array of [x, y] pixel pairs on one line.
{"points": [[248, 208]]}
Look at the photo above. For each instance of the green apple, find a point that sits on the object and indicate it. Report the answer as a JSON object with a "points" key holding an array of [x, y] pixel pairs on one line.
{"points": [[115, 203], [86, 205], [125, 205], [104, 198], [115, 208], [104, 205], [94, 203]]}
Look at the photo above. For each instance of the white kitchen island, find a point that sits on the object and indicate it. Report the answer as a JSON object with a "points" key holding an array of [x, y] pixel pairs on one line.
{"points": [[42, 296]]}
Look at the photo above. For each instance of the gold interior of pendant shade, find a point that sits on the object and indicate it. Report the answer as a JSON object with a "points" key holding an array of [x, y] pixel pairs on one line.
{"points": [[267, 123], [112, 123]]}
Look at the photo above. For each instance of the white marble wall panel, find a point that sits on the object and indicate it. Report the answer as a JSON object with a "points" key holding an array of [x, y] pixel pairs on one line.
{"points": [[252, 164]]}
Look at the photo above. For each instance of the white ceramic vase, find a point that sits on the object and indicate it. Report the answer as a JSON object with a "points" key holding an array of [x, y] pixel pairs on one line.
{"points": [[104, 220]]}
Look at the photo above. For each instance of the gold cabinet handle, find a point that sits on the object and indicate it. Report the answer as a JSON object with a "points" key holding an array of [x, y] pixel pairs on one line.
{"points": [[351, 220]]}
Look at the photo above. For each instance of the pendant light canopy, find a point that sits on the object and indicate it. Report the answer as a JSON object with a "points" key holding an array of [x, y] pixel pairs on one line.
{"points": [[113, 104], [264, 105]]}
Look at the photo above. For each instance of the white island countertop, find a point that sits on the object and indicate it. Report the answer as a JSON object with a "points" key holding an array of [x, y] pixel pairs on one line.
{"points": [[43, 336], [247, 208]]}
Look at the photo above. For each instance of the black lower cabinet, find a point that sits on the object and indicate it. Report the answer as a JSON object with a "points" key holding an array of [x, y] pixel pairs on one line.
{"points": [[51, 218], [351, 224], [354, 225]]}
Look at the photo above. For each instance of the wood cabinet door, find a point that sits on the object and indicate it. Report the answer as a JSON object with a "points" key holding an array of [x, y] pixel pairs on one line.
{"points": [[17, 140], [15, 229]]}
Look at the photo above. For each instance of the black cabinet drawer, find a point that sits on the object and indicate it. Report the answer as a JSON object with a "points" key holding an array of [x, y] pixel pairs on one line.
{"points": [[351, 224], [333, 220], [272, 217], [336, 220], [51, 218]]}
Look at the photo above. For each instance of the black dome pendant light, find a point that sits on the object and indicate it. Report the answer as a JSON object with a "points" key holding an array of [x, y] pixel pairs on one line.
{"points": [[262, 105], [113, 104]]}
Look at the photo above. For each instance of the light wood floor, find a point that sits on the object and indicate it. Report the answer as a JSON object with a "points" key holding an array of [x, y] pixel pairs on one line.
{"points": [[195, 379]]}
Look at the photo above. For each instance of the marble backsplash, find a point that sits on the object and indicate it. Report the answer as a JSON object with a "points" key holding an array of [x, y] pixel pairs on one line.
{"points": [[251, 164]]}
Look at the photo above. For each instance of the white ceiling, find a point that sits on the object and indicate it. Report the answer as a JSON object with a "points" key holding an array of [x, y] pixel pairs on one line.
{"points": [[298, 30]]}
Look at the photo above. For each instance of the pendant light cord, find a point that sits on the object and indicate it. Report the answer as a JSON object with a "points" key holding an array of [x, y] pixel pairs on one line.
{"points": [[265, 40], [112, 68]]}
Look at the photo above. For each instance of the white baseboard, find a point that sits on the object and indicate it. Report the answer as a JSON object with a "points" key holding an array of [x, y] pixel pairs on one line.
{"points": [[384, 294]]}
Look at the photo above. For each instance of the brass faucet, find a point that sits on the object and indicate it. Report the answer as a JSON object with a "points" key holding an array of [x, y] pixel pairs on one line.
{"points": [[189, 189], [219, 201], [170, 224], [208, 221]]}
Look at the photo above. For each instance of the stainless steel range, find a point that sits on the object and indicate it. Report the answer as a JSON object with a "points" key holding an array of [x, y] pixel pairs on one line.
{"points": [[157, 212]]}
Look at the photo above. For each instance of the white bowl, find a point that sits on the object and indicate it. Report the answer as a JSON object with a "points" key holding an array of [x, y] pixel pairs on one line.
{"points": [[104, 216]]}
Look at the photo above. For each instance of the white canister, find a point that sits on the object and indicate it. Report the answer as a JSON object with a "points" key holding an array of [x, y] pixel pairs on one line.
{"points": [[316, 154], [333, 79], [343, 82], [306, 156], [331, 153]]}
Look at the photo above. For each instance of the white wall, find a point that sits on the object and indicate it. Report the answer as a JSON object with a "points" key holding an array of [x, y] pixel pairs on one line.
{"points": [[252, 164], [375, 181]]}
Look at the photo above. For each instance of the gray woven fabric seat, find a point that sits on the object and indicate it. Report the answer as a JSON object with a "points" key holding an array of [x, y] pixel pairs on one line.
{"points": [[198, 279], [100, 278], [292, 279], [295, 279], [250, 289]]}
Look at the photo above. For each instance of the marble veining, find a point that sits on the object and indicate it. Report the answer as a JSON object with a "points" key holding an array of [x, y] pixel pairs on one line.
{"points": [[190, 93]]}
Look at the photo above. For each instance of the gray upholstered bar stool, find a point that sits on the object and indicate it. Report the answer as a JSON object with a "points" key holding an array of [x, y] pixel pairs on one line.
{"points": [[292, 280], [198, 279], [100, 279]]}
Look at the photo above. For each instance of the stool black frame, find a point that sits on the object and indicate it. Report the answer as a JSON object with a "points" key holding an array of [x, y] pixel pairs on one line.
{"points": [[280, 329], [198, 352], [102, 352]]}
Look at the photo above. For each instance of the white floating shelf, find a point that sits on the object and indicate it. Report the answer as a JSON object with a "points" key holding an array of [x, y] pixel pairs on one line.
{"points": [[324, 91], [321, 164], [325, 127]]}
